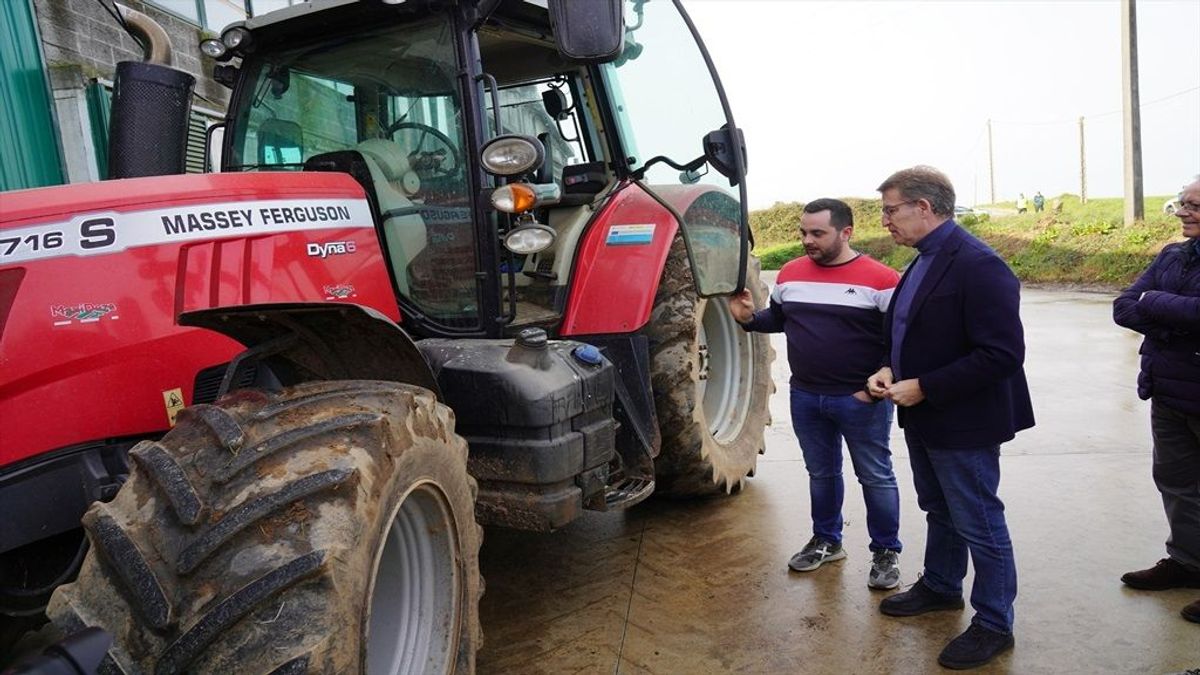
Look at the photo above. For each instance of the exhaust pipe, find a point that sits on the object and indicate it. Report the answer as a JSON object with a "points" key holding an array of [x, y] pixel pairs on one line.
{"points": [[151, 105], [155, 41]]}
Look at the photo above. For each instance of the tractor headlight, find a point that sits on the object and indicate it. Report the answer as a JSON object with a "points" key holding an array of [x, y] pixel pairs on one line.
{"points": [[213, 48], [236, 37], [528, 239], [512, 155]]}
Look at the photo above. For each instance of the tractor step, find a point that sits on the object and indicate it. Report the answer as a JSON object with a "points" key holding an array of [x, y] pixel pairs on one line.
{"points": [[627, 492]]}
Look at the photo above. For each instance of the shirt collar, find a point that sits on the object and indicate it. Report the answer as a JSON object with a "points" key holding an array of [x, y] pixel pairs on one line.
{"points": [[933, 241]]}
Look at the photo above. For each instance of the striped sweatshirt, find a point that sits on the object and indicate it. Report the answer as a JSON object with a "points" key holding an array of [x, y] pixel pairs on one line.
{"points": [[833, 319]]}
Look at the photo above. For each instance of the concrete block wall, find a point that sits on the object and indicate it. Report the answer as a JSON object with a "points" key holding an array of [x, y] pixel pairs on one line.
{"points": [[80, 39]]}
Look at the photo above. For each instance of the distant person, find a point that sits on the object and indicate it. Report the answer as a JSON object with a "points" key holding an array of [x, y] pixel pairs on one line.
{"points": [[954, 355], [1021, 208], [830, 304], [1164, 305], [1038, 202]]}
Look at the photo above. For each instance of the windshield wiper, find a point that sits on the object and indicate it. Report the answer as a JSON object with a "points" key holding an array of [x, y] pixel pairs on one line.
{"points": [[289, 165]]}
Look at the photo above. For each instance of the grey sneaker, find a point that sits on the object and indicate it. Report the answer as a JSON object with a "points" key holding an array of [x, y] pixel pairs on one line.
{"points": [[816, 552], [885, 570]]}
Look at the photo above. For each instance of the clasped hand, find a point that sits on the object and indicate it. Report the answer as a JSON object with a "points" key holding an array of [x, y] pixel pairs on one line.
{"points": [[903, 393]]}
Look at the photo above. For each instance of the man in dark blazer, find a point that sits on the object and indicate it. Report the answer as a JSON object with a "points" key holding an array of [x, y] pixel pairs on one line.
{"points": [[953, 365], [1164, 305]]}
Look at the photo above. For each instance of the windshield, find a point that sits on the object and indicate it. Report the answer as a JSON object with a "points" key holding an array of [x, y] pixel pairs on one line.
{"points": [[666, 101], [392, 96]]}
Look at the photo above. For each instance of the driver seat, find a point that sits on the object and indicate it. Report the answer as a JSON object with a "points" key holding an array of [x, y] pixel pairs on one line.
{"points": [[395, 182]]}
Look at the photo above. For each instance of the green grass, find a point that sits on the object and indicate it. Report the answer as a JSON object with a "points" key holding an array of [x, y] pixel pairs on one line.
{"points": [[1083, 244]]}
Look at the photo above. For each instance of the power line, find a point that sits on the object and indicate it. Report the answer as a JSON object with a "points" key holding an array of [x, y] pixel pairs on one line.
{"points": [[1075, 120]]}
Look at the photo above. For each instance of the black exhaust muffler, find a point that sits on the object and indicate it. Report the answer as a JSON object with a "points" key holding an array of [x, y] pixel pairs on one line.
{"points": [[148, 132]]}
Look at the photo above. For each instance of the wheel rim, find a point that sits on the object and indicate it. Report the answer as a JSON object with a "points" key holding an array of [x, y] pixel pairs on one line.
{"points": [[413, 620], [725, 371]]}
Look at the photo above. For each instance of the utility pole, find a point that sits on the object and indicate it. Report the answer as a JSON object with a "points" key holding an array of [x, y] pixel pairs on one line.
{"points": [[991, 163], [1082, 166], [1134, 209]]}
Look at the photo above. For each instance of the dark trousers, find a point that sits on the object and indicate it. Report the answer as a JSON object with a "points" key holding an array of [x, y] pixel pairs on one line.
{"points": [[1177, 475], [956, 488]]}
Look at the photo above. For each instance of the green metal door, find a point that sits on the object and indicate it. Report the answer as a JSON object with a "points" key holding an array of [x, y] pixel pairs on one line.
{"points": [[30, 155]]}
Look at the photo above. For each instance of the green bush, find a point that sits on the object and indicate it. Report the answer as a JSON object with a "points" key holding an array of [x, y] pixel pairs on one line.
{"points": [[774, 257], [1077, 243]]}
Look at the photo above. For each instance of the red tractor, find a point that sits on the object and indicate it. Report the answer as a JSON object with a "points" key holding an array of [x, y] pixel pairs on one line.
{"points": [[455, 268]]}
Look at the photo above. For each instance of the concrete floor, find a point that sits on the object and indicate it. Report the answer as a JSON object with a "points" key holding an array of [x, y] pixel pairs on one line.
{"points": [[703, 587]]}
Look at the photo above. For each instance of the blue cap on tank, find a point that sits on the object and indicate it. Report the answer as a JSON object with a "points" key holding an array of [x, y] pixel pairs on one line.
{"points": [[588, 354]]}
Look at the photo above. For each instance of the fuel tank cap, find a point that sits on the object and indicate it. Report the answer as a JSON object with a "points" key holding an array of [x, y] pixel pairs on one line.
{"points": [[532, 338]]}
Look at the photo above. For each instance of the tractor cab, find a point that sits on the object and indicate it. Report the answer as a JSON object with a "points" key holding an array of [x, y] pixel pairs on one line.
{"points": [[490, 136]]}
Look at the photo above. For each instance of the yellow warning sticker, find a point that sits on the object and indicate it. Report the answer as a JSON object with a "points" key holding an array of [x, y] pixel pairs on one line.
{"points": [[173, 399]]}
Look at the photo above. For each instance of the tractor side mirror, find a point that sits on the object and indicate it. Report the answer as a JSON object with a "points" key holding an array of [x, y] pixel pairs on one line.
{"points": [[588, 31], [555, 103], [719, 149], [214, 137]]}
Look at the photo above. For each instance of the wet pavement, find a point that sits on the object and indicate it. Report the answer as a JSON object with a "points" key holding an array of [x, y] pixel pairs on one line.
{"points": [[703, 587]]}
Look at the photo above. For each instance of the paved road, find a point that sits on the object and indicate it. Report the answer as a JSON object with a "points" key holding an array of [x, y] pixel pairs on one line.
{"points": [[702, 587]]}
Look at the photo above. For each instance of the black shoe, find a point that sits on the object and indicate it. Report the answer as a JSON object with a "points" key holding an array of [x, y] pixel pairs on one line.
{"points": [[1192, 612], [1166, 573], [975, 647], [918, 600]]}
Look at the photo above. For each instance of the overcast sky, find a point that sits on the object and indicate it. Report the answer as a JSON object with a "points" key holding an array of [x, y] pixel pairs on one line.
{"points": [[834, 96]]}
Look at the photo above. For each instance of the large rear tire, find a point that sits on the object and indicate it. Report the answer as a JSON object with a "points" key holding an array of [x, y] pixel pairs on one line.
{"points": [[711, 382], [328, 528]]}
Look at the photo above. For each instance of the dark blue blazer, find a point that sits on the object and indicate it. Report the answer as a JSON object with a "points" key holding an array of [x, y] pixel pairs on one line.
{"points": [[965, 343], [1164, 305]]}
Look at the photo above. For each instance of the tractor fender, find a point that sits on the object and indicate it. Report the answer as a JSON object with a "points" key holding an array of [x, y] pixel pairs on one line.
{"points": [[304, 342], [618, 264], [622, 255]]}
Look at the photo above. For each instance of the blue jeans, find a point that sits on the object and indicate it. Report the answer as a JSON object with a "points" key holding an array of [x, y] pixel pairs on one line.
{"points": [[820, 423], [957, 491]]}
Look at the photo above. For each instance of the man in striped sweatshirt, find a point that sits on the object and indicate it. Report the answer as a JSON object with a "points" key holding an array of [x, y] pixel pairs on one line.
{"points": [[830, 304]]}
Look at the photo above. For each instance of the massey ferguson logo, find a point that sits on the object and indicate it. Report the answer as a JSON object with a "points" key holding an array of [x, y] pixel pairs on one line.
{"points": [[318, 250]]}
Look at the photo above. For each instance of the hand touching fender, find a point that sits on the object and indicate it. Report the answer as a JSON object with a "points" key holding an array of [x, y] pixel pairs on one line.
{"points": [[741, 306]]}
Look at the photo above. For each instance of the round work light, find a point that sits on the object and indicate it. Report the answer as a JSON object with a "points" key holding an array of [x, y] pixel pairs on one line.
{"points": [[529, 239], [512, 155]]}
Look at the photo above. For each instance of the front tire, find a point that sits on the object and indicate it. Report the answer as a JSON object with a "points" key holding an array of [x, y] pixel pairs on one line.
{"points": [[711, 382], [327, 528]]}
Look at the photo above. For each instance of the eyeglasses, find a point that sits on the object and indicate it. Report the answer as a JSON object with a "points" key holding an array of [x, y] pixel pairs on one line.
{"points": [[890, 211], [1194, 207]]}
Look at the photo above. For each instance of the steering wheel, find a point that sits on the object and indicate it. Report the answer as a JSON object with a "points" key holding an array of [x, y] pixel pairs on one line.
{"points": [[427, 164]]}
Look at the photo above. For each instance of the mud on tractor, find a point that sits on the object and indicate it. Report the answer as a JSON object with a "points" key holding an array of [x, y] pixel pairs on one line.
{"points": [[462, 263]]}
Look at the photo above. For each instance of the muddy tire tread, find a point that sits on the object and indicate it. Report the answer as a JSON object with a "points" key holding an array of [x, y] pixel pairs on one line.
{"points": [[131, 566], [188, 646], [691, 463], [288, 439], [171, 479], [246, 514], [235, 520]]}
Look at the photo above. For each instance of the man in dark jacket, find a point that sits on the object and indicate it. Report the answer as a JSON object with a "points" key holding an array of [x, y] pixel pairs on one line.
{"points": [[954, 358], [1164, 305]]}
